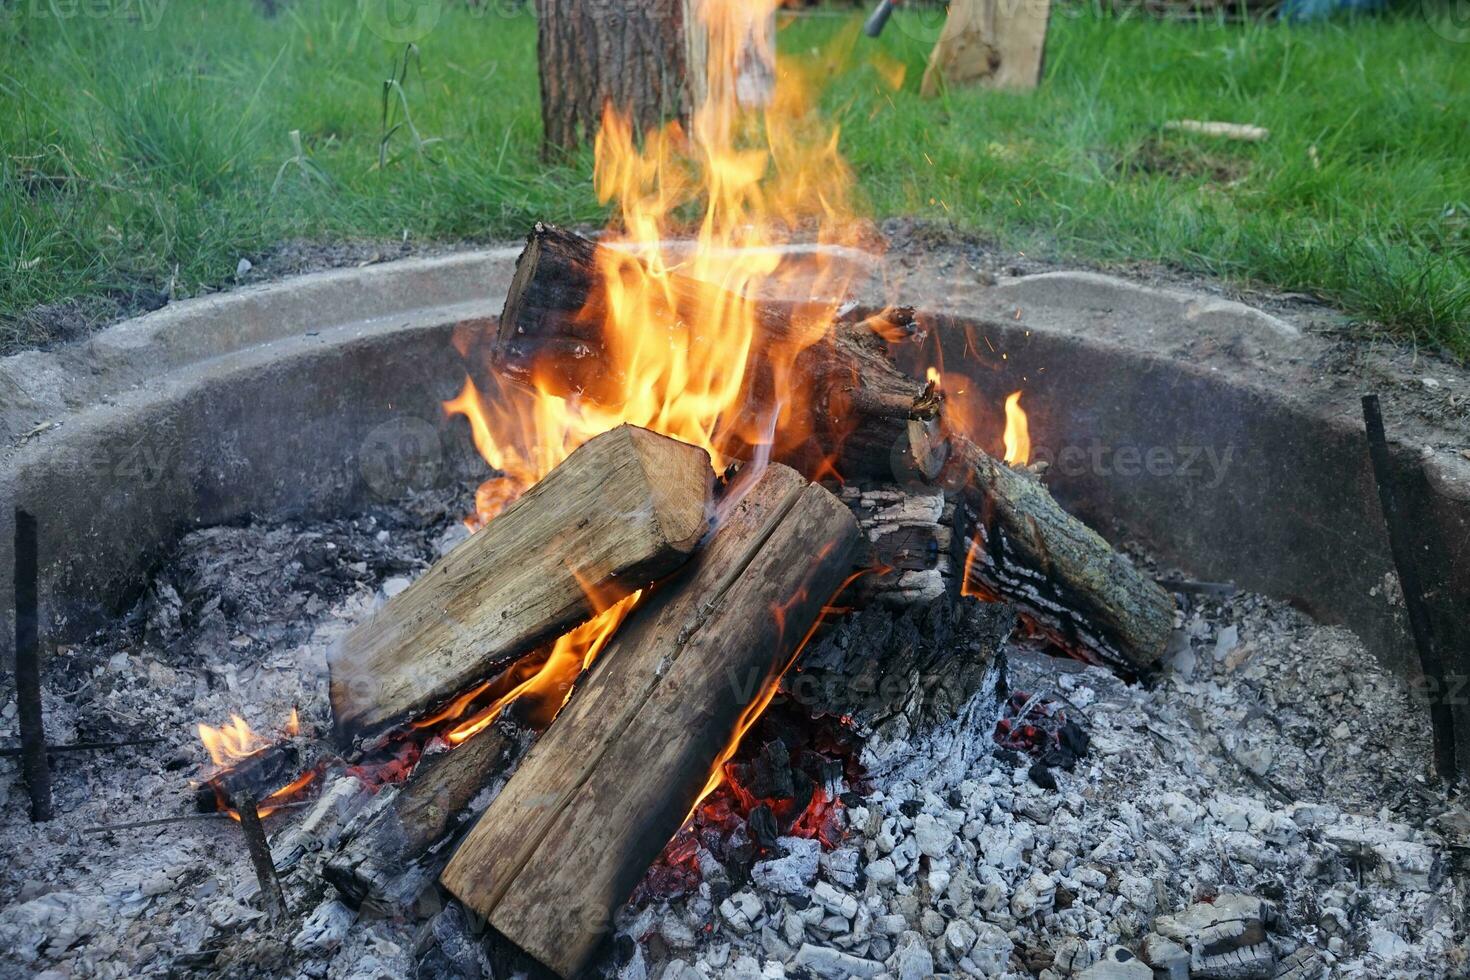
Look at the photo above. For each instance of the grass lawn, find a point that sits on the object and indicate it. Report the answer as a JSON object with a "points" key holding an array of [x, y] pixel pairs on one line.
{"points": [[142, 157]]}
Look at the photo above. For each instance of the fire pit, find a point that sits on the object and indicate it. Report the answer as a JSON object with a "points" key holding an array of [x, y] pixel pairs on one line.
{"points": [[1218, 769], [765, 647]]}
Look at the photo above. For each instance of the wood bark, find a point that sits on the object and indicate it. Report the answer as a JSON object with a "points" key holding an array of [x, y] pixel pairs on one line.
{"points": [[630, 54], [596, 799], [624, 509], [1022, 546], [874, 421], [893, 675], [383, 859], [994, 43]]}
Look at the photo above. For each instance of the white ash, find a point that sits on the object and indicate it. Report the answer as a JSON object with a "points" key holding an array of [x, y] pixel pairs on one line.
{"points": [[238, 619], [1261, 811]]}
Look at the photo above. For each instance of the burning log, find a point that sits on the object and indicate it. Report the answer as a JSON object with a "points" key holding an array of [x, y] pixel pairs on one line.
{"points": [[624, 509], [874, 421], [1024, 547], [382, 861], [257, 775], [861, 407], [599, 795]]}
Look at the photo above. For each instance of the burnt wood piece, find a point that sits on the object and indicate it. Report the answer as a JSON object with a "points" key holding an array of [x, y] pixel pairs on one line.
{"points": [[34, 764], [1022, 546], [607, 785], [874, 421], [624, 509], [906, 546], [386, 847], [260, 857], [258, 775], [894, 675], [859, 405], [122, 743]]}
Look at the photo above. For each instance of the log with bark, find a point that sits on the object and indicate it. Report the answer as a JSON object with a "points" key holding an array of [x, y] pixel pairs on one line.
{"points": [[872, 418], [624, 509], [630, 54], [564, 844]]}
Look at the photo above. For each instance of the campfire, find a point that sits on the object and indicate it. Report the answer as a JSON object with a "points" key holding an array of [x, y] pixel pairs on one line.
{"points": [[735, 610], [690, 485]]}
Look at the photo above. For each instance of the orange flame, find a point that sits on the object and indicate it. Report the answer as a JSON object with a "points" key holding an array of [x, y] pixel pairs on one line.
{"points": [[236, 740], [1018, 432], [678, 361]]}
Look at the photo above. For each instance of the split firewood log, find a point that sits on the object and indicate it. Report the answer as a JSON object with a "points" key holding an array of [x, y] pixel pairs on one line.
{"points": [[606, 786], [624, 509], [874, 420]]}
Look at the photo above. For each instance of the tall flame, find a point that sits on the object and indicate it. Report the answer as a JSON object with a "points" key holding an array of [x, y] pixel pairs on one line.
{"points": [[1018, 432], [747, 178]]}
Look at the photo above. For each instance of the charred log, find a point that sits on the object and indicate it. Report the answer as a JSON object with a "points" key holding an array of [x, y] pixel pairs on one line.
{"points": [[860, 406], [257, 775], [893, 675], [388, 852]]}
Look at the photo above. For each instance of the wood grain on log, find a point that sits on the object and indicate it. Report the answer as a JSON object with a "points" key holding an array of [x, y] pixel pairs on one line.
{"points": [[875, 421], [994, 43], [624, 509], [609, 783]]}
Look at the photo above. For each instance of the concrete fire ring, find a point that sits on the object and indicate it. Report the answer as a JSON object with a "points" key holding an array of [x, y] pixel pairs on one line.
{"points": [[1223, 439]]}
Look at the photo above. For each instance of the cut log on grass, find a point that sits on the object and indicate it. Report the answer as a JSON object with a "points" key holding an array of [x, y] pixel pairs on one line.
{"points": [[873, 420], [624, 509], [860, 407], [609, 783], [630, 54], [382, 859], [994, 43]]}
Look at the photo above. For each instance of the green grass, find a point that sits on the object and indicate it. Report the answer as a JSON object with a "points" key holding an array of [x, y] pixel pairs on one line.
{"points": [[135, 158]]}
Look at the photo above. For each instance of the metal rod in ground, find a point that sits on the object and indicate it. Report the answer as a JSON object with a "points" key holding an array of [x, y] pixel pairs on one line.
{"points": [[260, 856], [34, 763], [10, 751], [1401, 545]]}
